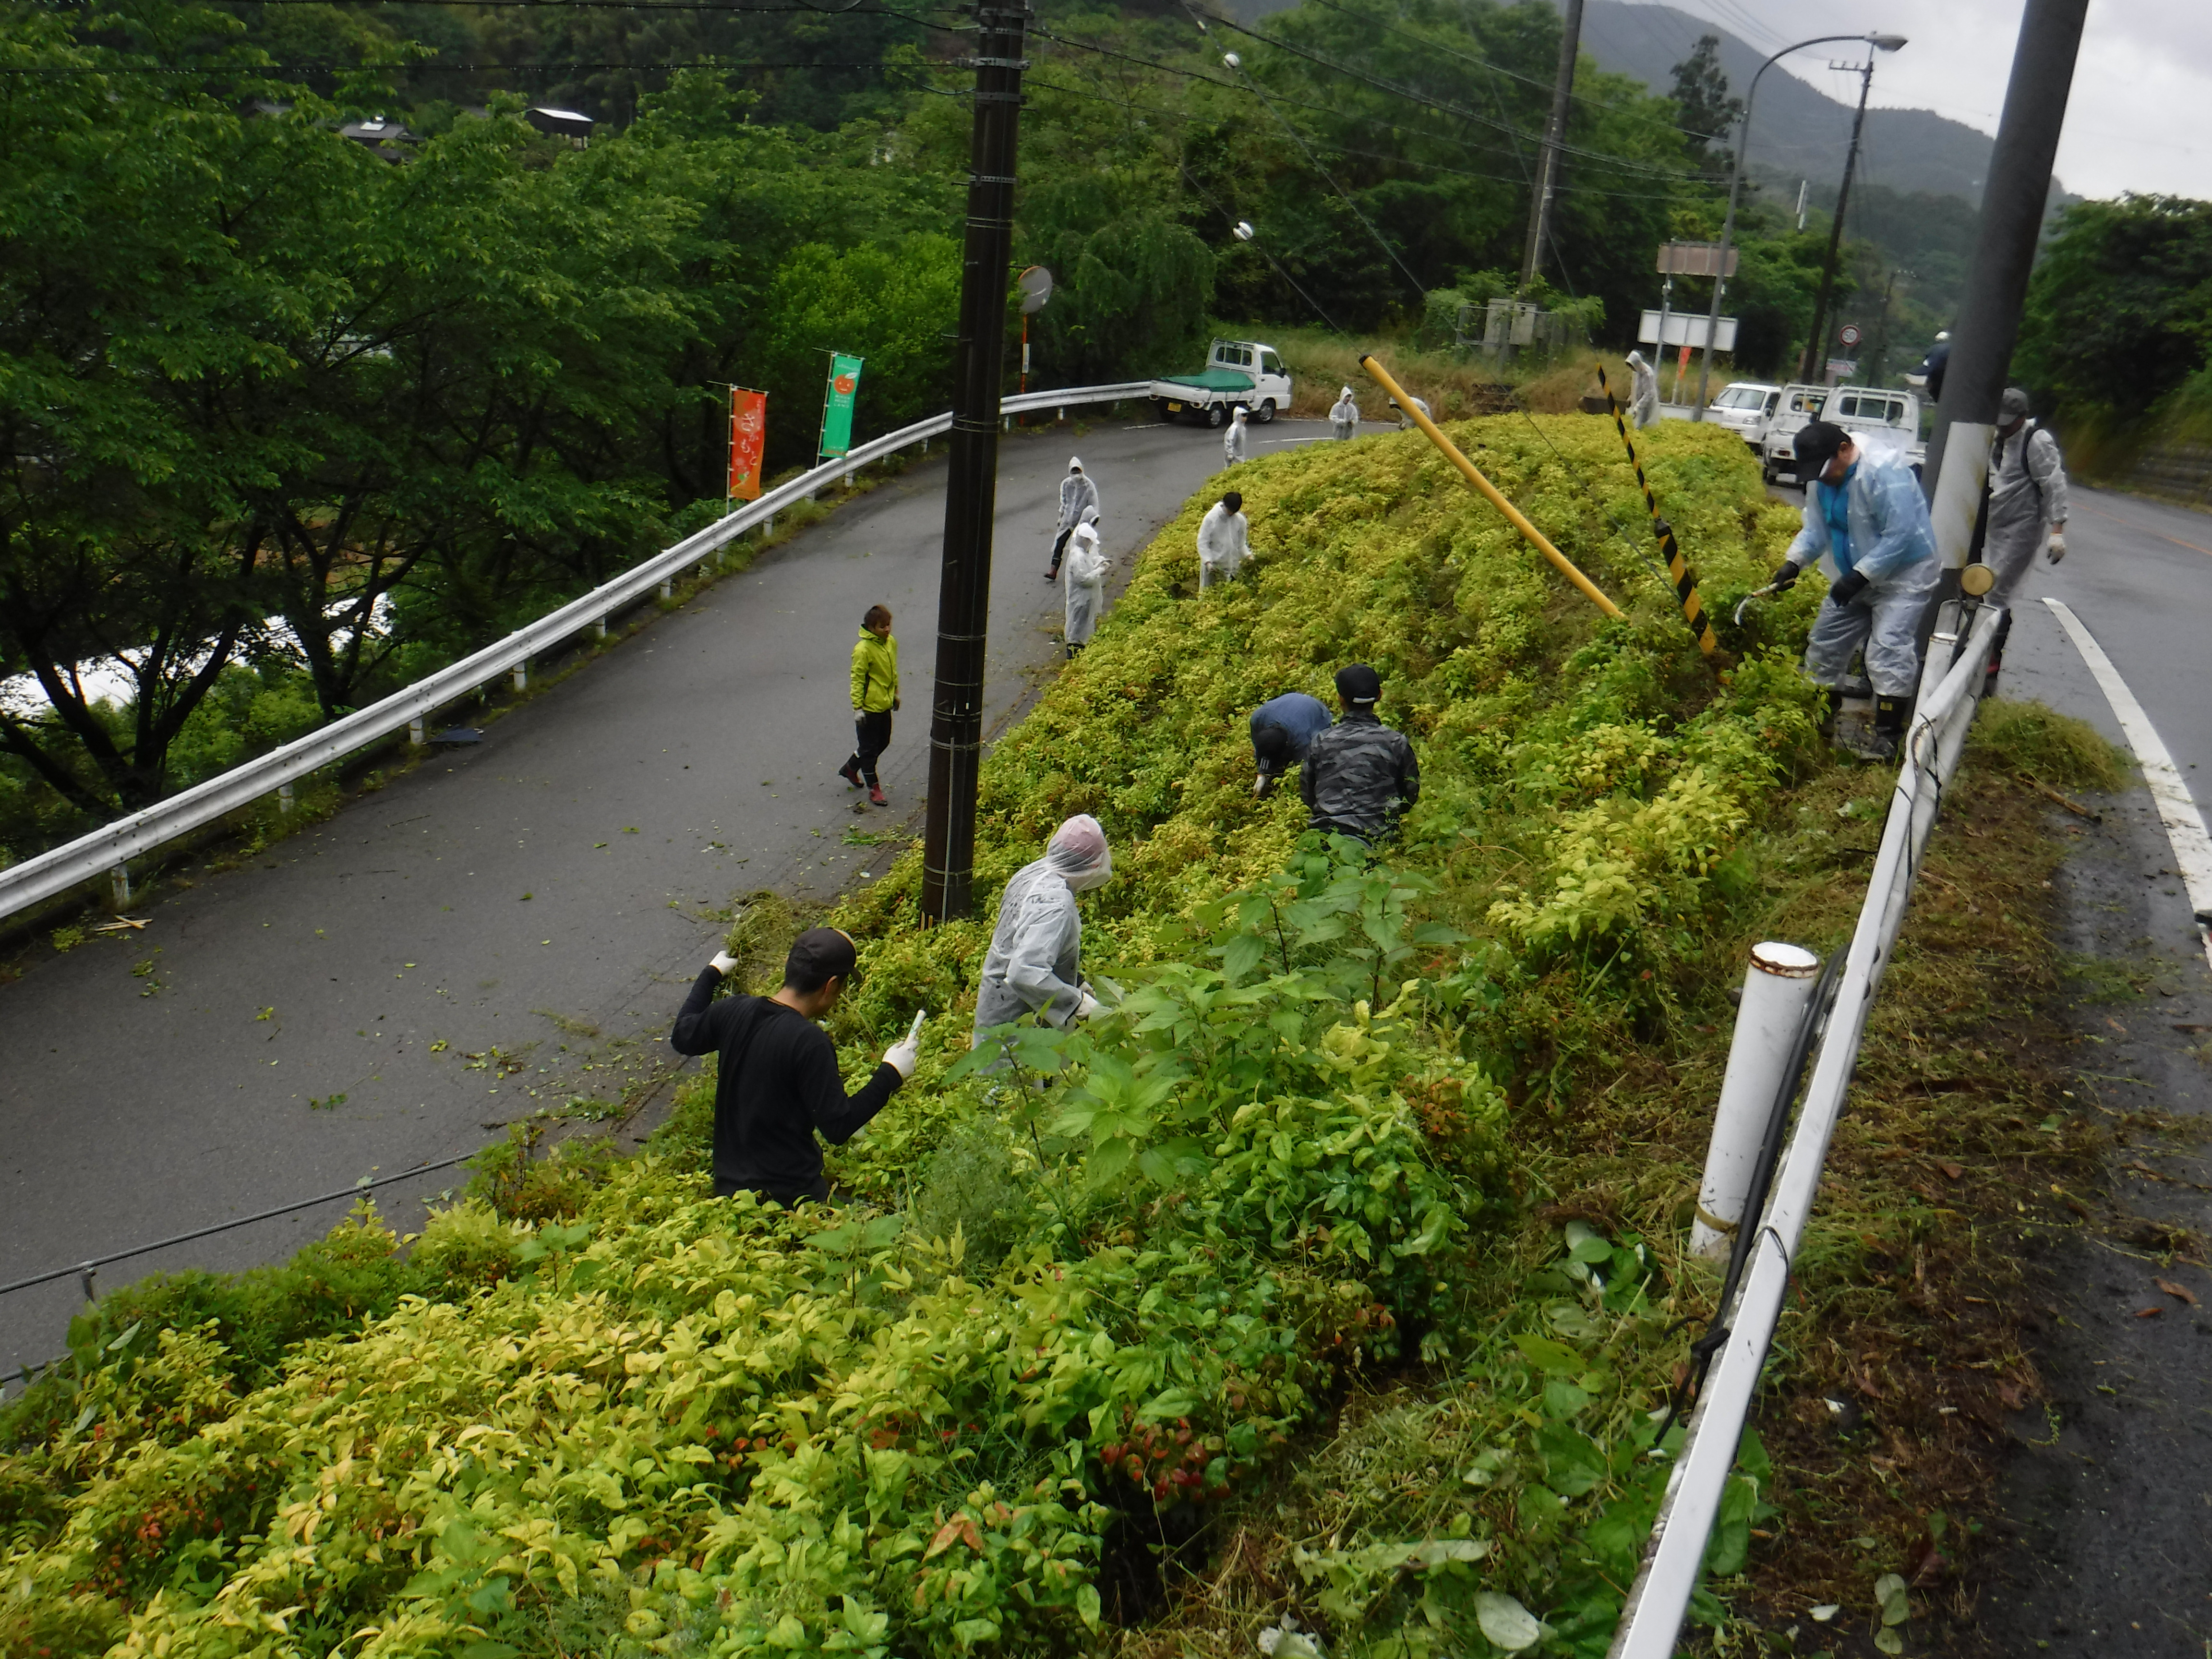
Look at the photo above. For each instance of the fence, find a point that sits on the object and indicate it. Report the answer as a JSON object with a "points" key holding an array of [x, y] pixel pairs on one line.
{"points": [[108, 850], [1951, 685]]}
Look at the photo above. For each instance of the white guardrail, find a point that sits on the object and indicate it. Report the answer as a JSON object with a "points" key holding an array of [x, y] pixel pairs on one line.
{"points": [[1951, 684], [107, 850]]}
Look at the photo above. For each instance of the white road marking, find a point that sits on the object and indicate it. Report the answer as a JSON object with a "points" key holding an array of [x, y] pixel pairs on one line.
{"points": [[2184, 825]]}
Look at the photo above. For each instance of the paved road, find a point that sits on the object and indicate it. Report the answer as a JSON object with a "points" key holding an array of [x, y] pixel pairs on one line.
{"points": [[2106, 1532], [543, 898]]}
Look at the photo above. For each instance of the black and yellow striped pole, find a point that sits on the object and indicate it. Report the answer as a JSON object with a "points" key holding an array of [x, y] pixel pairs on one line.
{"points": [[1678, 568]]}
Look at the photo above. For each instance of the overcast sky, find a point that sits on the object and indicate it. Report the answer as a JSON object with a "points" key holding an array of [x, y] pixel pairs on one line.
{"points": [[2135, 121]]}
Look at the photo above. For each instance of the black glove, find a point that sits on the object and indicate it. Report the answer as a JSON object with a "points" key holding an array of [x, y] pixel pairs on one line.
{"points": [[1785, 579], [1848, 588]]}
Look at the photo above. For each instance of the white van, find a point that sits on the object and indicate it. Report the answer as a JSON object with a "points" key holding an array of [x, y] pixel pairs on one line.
{"points": [[1882, 422], [1744, 407], [1799, 403]]}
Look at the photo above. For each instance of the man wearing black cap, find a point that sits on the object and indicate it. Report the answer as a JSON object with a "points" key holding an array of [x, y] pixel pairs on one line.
{"points": [[777, 1081], [1867, 514], [1359, 773]]}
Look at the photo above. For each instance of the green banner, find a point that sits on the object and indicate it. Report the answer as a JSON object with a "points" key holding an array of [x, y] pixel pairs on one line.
{"points": [[837, 404]]}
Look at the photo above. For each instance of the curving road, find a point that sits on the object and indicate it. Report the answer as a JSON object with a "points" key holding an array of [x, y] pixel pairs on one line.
{"points": [[511, 924]]}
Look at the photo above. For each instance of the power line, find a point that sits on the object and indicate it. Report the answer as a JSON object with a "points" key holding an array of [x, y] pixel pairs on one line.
{"points": [[257, 71]]}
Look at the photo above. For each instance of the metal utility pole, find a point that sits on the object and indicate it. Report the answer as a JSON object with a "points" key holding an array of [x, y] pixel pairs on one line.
{"points": [[964, 603], [1816, 345], [1879, 372], [1547, 183], [2013, 206]]}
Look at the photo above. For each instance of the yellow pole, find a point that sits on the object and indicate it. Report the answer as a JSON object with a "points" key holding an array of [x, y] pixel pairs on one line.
{"points": [[1678, 568], [1566, 567]]}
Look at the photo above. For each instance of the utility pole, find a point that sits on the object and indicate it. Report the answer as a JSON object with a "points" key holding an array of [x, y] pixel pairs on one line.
{"points": [[2013, 206], [1547, 183], [963, 602], [1879, 371], [1816, 347]]}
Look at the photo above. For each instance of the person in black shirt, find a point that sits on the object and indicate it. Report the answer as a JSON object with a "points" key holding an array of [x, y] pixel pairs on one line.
{"points": [[777, 1084], [1359, 773]]}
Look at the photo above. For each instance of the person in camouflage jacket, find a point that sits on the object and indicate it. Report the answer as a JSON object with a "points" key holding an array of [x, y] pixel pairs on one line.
{"points": [[1359, 775]]}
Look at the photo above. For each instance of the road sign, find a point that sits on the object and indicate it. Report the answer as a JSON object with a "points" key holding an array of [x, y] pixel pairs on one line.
{"points": [[1849, 334], [1685, 330], [1694, 259]]}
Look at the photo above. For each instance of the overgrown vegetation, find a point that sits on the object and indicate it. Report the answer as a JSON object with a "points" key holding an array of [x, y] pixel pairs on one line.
{"points": [[1419, 1131]]}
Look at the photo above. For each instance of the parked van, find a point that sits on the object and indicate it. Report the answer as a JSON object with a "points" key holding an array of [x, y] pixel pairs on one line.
{"points": [[1744, 407]]}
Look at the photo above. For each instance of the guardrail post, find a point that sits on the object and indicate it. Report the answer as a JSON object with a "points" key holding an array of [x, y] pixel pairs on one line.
{"points": [[600, 628], [849, 481], [924, 446], [119, 883], [522, 675], [1059, 415], [667, 588], [284, 798], [416, 734], [1776, 988]]}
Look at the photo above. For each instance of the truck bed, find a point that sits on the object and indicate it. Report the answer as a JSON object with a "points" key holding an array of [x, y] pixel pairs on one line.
{"points": [[1213, 379]]}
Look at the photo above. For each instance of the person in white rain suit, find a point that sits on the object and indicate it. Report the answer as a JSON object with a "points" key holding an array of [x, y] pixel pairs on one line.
{"points": [[1223, 540], [1406, 421], [1344, 415], [1867, 514], [1644, 392], [2027, 497], [1232, 440], [1086, 582], [1077, 492], [1035, 965]]}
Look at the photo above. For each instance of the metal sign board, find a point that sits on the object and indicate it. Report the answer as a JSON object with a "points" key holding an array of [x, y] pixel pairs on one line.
{"points": [[1694, 259], [1685, 329]]}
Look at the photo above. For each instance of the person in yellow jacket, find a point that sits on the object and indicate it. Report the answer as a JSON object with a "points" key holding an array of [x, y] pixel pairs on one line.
{"points": [[875, 695]]}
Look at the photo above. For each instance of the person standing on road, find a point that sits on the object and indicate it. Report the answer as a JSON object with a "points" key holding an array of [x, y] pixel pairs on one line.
{"points": [[1282, 731], [1344, 416], [2027, 497], [1077, 492], [1866, 511], [776, 1084], [1035, 964], [875, 698], [1644, 391], [1359, 773], [1086, 583], [1223, 540], [1232, 440]]}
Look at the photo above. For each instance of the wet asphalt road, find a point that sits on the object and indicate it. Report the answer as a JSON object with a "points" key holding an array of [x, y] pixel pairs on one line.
{"points": [[514, 923]]}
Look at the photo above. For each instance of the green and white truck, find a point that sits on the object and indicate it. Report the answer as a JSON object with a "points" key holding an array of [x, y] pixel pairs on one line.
{"points": [[1237, 373]]}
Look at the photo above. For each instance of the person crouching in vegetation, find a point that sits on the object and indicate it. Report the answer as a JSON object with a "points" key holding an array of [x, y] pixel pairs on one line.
{"points": [[1359, 773], [776, 1087], [1035, 965], [875, 696], [1282, 730]]}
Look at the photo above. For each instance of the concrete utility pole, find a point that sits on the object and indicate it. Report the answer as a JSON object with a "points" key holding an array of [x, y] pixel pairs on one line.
{"points": [[964, 603], [1547, 183], [1816, 346], [2013, 206]]}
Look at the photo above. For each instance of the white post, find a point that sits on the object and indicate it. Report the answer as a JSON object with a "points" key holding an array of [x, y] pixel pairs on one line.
{"points": [[119, 882], [283, 797], [1776, 988], [415, 732], [924, 446], [667, 588], [602, 628], [849, 481], [522, 677]]}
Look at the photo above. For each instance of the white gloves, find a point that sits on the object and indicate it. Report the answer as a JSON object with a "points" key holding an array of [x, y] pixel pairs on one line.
{"points": [[723, 963], [1084, 1009], [905, 1055], [2057, 545]]}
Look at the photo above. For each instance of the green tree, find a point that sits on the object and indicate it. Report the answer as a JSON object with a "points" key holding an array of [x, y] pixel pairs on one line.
{"points": [[1708, 114]]}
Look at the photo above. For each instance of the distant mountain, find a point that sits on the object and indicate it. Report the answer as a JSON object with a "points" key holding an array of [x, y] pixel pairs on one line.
{"points": [[1798, 131]]}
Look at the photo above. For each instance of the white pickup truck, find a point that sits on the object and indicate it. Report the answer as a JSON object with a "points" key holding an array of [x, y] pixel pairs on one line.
{"points": [[1878, 420], [1237, 373]]}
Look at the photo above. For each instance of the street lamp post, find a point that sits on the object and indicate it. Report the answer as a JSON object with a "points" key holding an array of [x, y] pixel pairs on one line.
{"points": [[1880, 43]]}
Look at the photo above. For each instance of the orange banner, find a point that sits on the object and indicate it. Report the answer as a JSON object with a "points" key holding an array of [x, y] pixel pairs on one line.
{"points": [[748, 434]]}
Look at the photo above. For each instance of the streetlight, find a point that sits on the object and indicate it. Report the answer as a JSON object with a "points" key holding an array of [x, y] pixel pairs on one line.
{"points": [[1880, 43]]}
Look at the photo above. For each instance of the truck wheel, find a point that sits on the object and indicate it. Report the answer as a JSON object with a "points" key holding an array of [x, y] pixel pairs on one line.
{"points": [[1266, 411], [1216, 416]]}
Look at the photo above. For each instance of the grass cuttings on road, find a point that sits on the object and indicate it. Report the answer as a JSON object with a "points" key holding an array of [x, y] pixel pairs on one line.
{"points": [[1417, 1137]]}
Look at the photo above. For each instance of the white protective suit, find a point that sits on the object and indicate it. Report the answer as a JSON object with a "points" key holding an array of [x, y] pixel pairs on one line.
{"points": [[1406, 421], [1222, 544], [1883, 535], [1232, 440], [1644, 392], [2027, 497], [1086, 581], [1034, 963], [1344, 415], [1077, 492]]}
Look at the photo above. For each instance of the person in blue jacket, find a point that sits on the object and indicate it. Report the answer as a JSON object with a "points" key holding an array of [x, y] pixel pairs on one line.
{"points": [[1865, 512], [1283, 729]]}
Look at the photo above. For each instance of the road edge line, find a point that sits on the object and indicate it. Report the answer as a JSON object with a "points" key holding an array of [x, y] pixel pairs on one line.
{"points": [[2169, 793]]}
